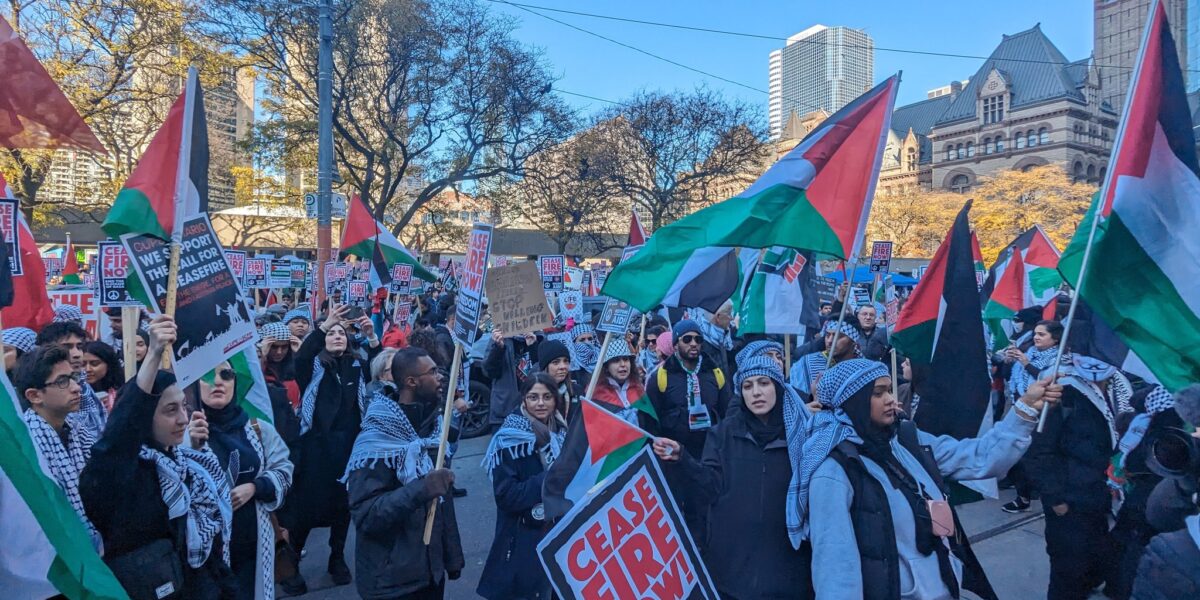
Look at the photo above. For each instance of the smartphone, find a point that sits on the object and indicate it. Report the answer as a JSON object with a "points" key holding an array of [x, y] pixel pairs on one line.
{"points": [[355, 313]]}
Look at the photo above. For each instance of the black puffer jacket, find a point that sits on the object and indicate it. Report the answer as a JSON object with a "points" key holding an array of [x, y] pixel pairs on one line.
{"points": [[748, 552], [1069, 459]]}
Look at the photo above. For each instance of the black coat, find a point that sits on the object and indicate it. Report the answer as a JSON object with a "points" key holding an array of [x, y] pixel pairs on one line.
{"points": [[1068, 460], [500, 365], [320, 455], [748, 552], [1169, 570], [875, 346], [513, 569], [391, 558]]}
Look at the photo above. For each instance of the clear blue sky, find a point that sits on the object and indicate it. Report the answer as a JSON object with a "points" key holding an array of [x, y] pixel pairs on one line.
{"points": [[592, 66]]}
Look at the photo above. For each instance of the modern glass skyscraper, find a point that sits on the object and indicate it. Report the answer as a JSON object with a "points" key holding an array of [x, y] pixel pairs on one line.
{"points": [[820, 68]]}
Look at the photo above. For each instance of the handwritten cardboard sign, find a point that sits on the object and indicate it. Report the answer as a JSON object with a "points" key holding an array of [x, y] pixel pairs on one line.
{"points": [[516, 302]]}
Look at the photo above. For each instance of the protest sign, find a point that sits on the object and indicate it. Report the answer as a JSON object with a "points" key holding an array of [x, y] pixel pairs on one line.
{"points": [[361, 270], [9, 214], [337, 278], [626, 541], [114, 268], [861, 297], [299, 274], [214, 322], [616, 314], [919, 272], [586, 285], [237, 265], [515, 303], [572, 278], [281, 273], [310, 280], [256, 274], [54, 266], [403, 311], [95, 322], [826, 289], [500, 261], [881, 257], [891, 302], [470, 296], [357, 292], [401, 278], [551, 267], [570, 305]]}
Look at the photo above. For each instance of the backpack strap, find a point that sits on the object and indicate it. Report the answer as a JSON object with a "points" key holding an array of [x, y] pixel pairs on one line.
{"points": [[662, 379], [907, 435], [720, 377]]}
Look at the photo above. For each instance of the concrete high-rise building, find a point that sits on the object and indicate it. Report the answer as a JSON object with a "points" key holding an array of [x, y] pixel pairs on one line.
{"points": [[820, 68], [1118, 34]]}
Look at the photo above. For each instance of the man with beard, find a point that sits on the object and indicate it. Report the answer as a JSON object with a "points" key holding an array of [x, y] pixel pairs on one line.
{"points": [[689, 393], [392, 484]]}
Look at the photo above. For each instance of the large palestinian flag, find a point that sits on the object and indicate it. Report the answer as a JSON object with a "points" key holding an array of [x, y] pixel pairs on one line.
{"points": [[598, 442], [1040, 259], [1009, 297], [941, 330], [817, 198], [1144, 276], [170, 182], [781, 296], [367, 239]]}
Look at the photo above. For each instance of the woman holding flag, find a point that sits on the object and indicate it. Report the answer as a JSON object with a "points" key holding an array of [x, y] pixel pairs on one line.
{"points": [[745, 478], [256, 461], [517, 460]]}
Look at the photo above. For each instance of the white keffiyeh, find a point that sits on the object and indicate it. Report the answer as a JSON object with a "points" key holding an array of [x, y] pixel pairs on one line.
{"points": [[193, 484], [308, 403], [66, 463]]}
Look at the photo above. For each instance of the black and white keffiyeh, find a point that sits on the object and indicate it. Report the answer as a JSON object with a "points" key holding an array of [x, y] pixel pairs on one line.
{"points": [[1101, 383], [516, 436], [65, 463], [193, 484], [388, 435], [308, 402], [1041, 360], [21, 338]]}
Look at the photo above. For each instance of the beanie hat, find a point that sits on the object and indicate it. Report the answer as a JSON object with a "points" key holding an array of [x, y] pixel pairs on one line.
{"points": [[665, 344], [685, 326], [276, 332], [550, 350]]}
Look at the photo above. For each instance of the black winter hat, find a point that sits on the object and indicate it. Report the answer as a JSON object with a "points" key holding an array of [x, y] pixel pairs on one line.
{"points": [[550, 350]]}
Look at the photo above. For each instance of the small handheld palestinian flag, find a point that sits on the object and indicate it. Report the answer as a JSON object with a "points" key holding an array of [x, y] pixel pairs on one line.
{"points": [[70, 272], [1008, 298], [368, 239], [598, 442]]}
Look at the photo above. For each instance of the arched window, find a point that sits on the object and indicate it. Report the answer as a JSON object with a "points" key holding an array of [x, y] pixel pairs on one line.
{"points": [[988, 146], [1103, 172], [949, 152], [1091, 172], [1043, 136], [960, 152], [911, 159], [1032, 138], [999, 144], [960, 183], [1020, 139], [1078, 132], [970, 149], [1077, 171]]}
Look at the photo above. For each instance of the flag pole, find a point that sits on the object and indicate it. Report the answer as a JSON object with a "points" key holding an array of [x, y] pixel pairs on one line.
{"points": [[129, 323], [849, 278], [787, 354], [456, 366], [599, 366], [895, 378]]}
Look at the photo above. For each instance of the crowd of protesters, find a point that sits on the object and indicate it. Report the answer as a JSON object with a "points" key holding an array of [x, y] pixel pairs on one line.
{"points": [[796, 480]]}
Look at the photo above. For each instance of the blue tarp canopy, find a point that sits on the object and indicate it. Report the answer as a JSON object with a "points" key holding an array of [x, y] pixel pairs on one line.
{"points": [[863, 274]]}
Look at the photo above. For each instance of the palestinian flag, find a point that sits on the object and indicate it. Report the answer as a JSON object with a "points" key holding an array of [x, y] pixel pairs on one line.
{"points": [[1145, 280], [1040, 259], [251, 389], [31, 306], [70, 272], [48, 550], [170, 182], [1009, 297], [941, 331], [637, 233], [781, 296], [368, 239], [977, 254], [816, 198], [597, 444]]}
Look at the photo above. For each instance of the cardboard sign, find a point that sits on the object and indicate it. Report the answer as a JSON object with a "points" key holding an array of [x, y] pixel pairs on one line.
{"points": [[114, 268], [570, 305], [85, 301], [237, 265], [515, 303], [256, 274], [470, 295], [551, 268], [401, 278], [9, 216], [214, 321], [573, 278], [881, 257], [281, 273], [626, 541]]}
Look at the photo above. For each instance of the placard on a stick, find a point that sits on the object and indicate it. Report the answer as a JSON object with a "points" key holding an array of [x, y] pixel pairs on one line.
{"points": [[114, 268], [515, 302], [401, 278], [626, 541], [881, 257], [470, 294], [9, 217]]}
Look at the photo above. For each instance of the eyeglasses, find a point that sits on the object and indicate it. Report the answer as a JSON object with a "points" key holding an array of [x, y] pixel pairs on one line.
{"points": [[689, 339], [62, 382], [431, 371], [227, 374], [539, 398]]}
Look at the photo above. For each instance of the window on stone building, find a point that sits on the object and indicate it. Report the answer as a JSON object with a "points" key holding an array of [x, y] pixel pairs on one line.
{"points": [[970, 149], [958, 150], [999, 144], [1032, 138], [1077, 172], [1091, 172], [949, 152], [911, 159], [1044, 136], [1020, 140], [993, 109], [988, 145], [960, 184]]}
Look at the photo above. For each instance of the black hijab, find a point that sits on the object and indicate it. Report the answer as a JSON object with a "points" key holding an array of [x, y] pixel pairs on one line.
{"points": [[765, 432], [130, 425]]}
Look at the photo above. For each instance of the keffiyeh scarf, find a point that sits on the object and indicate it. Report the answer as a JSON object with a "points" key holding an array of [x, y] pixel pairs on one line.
{"points": [[308, 402], [586, 356], [1085, 374], [193, 484], [693, 380], [1020, 379], [807, 370], [66, 463], [517, 437], [387, 435]]}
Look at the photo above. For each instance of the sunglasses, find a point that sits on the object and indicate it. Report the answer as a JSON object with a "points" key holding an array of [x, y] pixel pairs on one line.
{"points": [[690, 339], [226, 374]]}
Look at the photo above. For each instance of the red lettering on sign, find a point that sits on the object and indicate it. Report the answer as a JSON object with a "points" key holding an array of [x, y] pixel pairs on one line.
{"points": [[580, 566], [638, 556], [597, 589], [599, 544], [630, 501], [677, 573], [620, 528], [617, 579]]}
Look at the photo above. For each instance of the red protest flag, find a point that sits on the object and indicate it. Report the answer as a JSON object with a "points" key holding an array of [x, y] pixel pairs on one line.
{"points": [[34, 112], [31, 305]]}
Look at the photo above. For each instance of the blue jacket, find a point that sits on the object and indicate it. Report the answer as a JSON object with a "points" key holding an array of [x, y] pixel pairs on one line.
{"points": [[513, 569]]}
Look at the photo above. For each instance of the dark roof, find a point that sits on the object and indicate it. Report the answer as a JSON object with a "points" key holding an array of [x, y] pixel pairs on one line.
{"points": [[1038, 72], [531, 242], [920, 117], [84, 228]]}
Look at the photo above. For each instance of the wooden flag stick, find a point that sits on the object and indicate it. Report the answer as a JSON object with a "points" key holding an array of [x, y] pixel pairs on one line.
{"points": [[172, 291], [456, 366], [849, 281], [129, 325], [787, 354], [895, 378], [599, 366]]}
